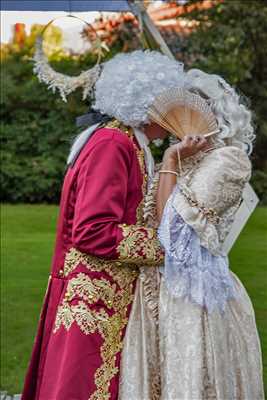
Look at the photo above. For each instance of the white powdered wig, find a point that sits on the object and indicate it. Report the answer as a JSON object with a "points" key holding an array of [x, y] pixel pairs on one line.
{"points": [[234, 119], [130, 82]]}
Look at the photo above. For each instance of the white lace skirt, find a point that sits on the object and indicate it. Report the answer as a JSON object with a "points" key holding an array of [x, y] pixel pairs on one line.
{"points": [[191, 355]]}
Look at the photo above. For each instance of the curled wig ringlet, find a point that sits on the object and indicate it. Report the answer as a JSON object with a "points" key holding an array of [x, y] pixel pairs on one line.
{"points": [[130, 82], [234, 118]]}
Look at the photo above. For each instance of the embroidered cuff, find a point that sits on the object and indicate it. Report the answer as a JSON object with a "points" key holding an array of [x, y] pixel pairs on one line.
{"points": [[140, 245]]}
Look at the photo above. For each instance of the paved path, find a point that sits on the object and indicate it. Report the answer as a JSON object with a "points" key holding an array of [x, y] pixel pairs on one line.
{"points": [[5, 396]]}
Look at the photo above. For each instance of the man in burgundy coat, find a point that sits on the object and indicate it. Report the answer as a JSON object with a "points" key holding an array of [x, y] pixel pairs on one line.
{"points": [[101, 241]]}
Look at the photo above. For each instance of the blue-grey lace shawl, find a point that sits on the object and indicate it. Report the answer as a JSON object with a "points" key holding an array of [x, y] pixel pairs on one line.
{"points": [[191, 272]]}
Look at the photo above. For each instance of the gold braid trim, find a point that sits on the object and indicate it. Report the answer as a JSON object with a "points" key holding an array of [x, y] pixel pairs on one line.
{"points": [[140, 208], [141, 160], [207, 212]]}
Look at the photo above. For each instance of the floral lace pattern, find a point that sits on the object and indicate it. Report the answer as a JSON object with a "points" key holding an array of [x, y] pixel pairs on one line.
{"points": [[190, 271], [140, 364], [211, 356], [191, 354]]}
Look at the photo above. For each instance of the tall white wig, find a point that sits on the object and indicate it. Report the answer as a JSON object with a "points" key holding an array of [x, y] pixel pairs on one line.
{"points": [[234, 119], [130, 82]]}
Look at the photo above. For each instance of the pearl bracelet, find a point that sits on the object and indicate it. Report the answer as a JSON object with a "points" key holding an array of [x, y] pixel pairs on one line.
{"points": [[166, 171]]}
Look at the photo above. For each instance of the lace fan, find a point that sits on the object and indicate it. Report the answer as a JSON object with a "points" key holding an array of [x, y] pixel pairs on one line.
{"points": [[183, 113]]}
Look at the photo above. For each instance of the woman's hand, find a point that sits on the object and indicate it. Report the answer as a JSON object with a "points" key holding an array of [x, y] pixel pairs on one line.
{"points": [[189, 146]]}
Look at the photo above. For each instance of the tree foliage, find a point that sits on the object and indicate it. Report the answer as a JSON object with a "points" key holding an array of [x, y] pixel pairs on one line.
{"points": [[37, 127], [229, 40]]}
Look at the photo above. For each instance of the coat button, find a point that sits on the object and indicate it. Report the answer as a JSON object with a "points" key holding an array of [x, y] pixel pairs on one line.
{"points": [[61, 272]]}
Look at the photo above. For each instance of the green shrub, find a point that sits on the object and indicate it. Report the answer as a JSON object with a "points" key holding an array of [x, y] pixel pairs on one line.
{"points": [[36, 131], [37, 126]]}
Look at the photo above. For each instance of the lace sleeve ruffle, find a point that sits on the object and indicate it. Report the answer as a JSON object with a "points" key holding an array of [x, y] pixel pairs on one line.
{"points": [[190, 270]]}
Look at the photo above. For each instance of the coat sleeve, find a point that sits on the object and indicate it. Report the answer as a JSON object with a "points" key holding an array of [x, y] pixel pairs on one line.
{"points": [[98, 226]]}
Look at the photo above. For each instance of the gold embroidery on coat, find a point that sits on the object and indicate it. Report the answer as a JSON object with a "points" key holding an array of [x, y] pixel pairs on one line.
{"points": [[91, 290], [116, 297], [111, 333], [65, 316], [88, 320], [115, 124], [140, 245], [121, 272], [150, 203], [140, 207]]}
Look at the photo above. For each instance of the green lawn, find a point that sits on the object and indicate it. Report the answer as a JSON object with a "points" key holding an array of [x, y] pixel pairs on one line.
{"points": [[28, 234]]}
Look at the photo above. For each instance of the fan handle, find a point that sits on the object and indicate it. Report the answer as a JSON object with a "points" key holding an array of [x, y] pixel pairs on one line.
{"points": [[211, 133]]}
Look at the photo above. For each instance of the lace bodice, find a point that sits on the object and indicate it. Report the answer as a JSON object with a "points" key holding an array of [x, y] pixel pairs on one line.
{"points": [[211, 191]]}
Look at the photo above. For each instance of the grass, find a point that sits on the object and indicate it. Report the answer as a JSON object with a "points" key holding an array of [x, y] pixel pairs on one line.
{"points": [[28, 234]]}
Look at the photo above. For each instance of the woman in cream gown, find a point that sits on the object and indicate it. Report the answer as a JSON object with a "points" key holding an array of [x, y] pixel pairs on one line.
{"points": [[192, 333]]}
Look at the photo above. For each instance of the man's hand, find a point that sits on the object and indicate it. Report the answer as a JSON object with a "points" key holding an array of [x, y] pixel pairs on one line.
{"points": [[189, 146]]}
